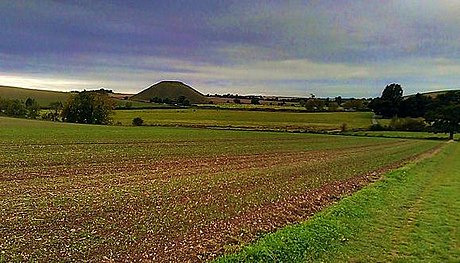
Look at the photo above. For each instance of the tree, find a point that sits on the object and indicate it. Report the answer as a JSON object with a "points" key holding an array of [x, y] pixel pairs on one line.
{"points": [[88, 107], [138, 121], [255, 101], [182, 100], [33, 108], [354, 104], [444, 113], [333, 106], [15, 108], [315, 105], [55, 108], [415, 106], [389, 102], [3, 105], [338, 99]]}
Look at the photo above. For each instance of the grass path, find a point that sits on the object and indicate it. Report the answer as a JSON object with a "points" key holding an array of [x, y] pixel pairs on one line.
{"points": [[411, 215]]}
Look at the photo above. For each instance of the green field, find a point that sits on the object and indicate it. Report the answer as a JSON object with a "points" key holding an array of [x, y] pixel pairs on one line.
{"points": [[139, 104], [266, 106], [101, 193], [410, 216], [247, 119]]}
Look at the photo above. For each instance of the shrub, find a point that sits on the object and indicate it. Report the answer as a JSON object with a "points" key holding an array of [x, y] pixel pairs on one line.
{"points": [[138, 121], [255, 101], [377, 127], [407, 124]]}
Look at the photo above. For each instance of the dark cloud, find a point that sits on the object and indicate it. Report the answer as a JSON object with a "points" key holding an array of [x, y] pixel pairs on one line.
{"points": [[233, 45]]}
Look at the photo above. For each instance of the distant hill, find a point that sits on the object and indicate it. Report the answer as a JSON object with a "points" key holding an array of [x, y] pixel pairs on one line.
{"points": [[432, 94], [172, 90], [43, 97]]}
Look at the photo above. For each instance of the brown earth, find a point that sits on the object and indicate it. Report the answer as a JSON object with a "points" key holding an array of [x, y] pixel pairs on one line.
{"points": [[114, 202]]}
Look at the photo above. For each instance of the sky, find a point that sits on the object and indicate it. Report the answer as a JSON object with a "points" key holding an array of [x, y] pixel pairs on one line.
{"points": [[272, 47]]}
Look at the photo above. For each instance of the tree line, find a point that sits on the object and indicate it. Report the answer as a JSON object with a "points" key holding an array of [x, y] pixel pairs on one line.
{"points": [[89, 107], [18, 108], [440, 113]]}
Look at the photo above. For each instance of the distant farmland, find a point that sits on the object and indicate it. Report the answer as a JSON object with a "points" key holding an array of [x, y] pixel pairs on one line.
{"points": [[248, 119], [101, 193]]}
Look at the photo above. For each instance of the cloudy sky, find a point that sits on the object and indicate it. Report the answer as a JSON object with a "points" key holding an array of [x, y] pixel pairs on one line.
{"points": [[293, 48]]}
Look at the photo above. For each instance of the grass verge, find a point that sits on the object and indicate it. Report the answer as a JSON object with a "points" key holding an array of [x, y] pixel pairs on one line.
{"points": [[410, 215]]}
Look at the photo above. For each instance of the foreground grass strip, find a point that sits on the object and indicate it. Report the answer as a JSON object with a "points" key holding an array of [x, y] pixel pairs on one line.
{"points": [[411, 215]]}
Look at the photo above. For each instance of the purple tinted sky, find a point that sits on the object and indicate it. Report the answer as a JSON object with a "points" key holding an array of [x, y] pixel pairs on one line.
{"points": [[329, 48]]}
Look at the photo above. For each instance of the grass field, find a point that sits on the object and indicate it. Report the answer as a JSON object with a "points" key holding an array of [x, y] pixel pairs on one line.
{"points": [[266, 106], [138, 104], [248, 119], [98, 193], [410, 216]]}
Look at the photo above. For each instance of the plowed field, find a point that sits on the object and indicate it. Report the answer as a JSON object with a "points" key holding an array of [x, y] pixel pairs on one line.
{"points": [[103, 193]]}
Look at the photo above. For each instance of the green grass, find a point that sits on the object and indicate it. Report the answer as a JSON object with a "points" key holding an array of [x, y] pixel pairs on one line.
{"points": [[411, 215], [89, 192], [247, 119]]}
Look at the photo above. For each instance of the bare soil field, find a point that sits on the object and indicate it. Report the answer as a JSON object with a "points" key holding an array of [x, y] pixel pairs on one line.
{"points": [[170, 194]]}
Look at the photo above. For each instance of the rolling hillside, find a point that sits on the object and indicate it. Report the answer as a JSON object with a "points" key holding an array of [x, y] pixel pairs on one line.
{"points": [[170, 89], [432, 94], [43, 97]]}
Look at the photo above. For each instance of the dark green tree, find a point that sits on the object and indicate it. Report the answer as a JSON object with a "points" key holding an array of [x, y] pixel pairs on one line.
{"points": [[15, 108], [339, 100], [415, 106], [444, 113], [182, 100], [255, 101], [315, 105], [389, 102], [33, 108], [88, 107], [138, 121]]}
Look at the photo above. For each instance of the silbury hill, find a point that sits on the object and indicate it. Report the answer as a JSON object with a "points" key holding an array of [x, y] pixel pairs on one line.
{"points": [[172, 90]]}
